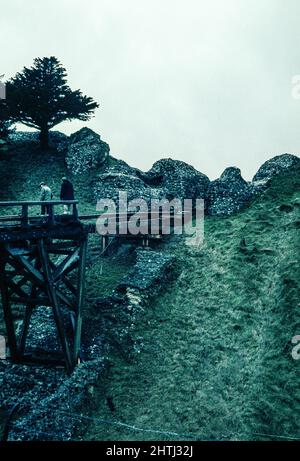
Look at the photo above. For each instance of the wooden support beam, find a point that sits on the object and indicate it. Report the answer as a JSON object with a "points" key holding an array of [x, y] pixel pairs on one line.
{"points": [[80, 297], [62, 247], [72, 230], [24, 216], [69, 263], [26, 269], [15, 288], [65, 280], [20, 251], [56, 308], [32, 272], [8, 316], [64, 298], [51, 217], [23, 281], [27, 316], [75, 212], [29, 277]]}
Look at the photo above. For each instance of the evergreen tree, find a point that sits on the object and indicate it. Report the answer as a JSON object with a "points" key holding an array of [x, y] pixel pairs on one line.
{"points": [[5, 129], [39, 97], [5, 121]]}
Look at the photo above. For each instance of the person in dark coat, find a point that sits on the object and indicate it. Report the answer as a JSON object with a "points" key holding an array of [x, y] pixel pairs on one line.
{"points": [[66, 193]]}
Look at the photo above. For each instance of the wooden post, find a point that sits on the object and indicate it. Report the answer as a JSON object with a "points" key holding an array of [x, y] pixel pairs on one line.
{"points": [[56, 308], [28, 313], [80, 297], [75, 212], [51, 219], [27, 316], [24, 216], [8, 317]]}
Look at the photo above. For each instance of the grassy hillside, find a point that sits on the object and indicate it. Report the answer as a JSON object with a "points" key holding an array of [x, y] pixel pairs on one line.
{"points": [[24, 167], [217, 361]]}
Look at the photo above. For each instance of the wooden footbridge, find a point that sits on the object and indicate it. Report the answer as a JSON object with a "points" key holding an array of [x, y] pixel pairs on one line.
{"points": [[42, 263]]}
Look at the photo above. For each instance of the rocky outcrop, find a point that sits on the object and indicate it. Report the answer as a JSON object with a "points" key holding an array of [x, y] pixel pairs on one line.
{"points": [[148, 270], [120, 177], [271, 168], [228, 194], [171, 179], [84, 150], [56, 138], [166, 179], [150, 273], [177, 179]]}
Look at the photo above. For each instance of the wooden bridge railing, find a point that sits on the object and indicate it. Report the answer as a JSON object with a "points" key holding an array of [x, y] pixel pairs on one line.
{"points": [[24, 217]]}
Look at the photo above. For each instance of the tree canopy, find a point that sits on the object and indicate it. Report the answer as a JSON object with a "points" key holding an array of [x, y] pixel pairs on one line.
{"points": [[5, 119], [39, 97]]}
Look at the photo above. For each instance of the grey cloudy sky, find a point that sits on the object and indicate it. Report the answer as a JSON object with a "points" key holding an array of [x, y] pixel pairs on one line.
{"points": [[204, 81]]}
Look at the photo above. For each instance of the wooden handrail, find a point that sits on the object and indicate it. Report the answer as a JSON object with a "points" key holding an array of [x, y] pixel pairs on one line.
{"points": [[40, 202], [48, 206], [15, 217]]}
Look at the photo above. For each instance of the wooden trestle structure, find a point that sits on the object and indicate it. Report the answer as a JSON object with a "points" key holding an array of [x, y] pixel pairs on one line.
{"points": [[42, 263]]}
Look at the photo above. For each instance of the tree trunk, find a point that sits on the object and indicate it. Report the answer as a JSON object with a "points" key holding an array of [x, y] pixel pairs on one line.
{"points": [[44, 137]]}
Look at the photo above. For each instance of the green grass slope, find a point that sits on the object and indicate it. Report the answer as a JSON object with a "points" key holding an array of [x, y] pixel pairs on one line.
{"points": [[24, 166], [216, 363]]}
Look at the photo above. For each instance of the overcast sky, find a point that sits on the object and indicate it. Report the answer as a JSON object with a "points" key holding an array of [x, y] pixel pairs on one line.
{"points": [[204, 81]]}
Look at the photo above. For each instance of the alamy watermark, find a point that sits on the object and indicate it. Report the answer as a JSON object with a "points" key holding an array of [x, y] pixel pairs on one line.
{"points": [[296, 349], [2, 89], [154, 217], [295, 87], [2, 348]]}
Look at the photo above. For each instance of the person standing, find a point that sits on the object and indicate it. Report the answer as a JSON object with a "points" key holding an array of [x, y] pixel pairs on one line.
{"points": [[46, 196], [66, 193]]}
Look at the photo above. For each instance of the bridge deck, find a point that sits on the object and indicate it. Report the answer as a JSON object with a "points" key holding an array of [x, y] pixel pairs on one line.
{"points": [[54, 224]]}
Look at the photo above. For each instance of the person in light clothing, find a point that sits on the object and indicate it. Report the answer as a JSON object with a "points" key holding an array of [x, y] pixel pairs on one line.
{"points": [[46, 196]]}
